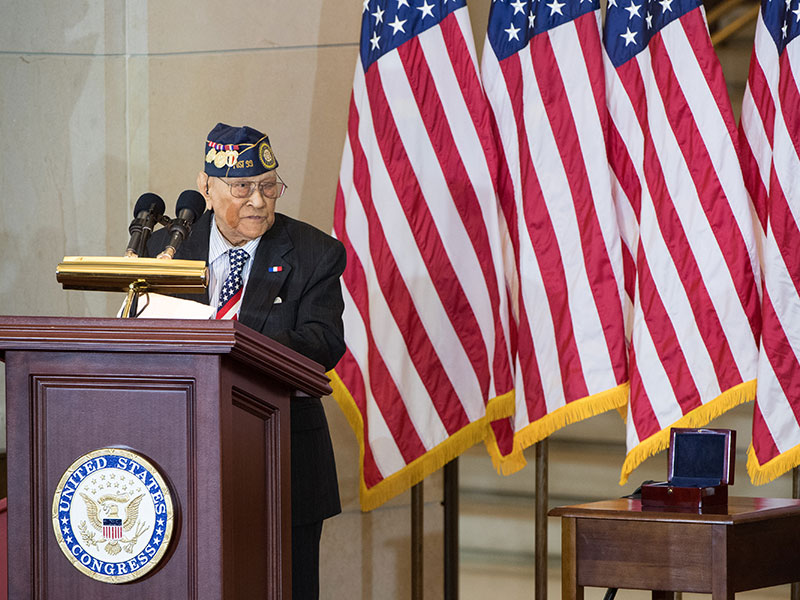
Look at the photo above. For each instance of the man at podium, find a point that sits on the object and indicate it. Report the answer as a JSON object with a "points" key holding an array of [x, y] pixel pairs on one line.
{"points": [[280, 277]]}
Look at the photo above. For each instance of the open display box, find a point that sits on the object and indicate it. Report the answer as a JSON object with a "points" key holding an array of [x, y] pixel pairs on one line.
{"points": [[701, 467]]}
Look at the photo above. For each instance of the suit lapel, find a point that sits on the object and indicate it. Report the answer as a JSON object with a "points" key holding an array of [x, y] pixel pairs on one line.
{"points": [[263, 285]]}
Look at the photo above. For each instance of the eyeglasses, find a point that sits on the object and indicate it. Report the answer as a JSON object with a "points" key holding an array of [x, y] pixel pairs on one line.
{"points": [[245, 189]]}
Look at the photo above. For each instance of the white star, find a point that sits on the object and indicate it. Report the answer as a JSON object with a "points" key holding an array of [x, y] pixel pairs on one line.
{"points": [[555, 7], [398, 25], [531, 19], [366, 6], [612, 3], [402, 3], [630, 36], [378, 14], [783, 29], [666, 5], [649, 19], [633, 10], [427, 9], [519, 6], [788, 4], [374, 40], [796, 11], [512, 33]]}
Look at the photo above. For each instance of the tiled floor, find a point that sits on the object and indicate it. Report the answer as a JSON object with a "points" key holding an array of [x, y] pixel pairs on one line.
{"points": [[482, 582]]}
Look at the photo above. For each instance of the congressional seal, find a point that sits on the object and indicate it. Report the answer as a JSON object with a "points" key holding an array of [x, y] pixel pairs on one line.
{"points": [[113, 515]]}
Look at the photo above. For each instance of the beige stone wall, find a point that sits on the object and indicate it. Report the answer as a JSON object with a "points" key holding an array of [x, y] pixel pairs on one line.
{"points": [[103, 100]]}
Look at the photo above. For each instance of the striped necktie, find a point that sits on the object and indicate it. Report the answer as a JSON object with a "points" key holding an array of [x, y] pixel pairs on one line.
{"points": [[230, 296]]}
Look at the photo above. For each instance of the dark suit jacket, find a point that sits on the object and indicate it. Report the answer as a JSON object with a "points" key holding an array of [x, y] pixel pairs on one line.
{"points": [[308, 319]]}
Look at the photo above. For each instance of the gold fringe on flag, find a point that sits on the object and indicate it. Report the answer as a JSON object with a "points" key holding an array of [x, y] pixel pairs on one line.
{"points": [[505, 465], [699, 417], [430, 462], [577, 410], [772, 469]]}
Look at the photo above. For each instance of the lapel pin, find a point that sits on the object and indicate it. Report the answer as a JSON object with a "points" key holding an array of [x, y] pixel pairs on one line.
{"points": [[275, 269]]}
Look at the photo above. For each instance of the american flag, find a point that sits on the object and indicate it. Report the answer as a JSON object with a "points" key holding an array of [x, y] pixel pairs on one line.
{"points": [[426, 317], [685, 220], [542, 69], [770, 134]]}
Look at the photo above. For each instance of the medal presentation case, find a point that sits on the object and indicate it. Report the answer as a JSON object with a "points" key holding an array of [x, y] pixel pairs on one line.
{"points": [[701, 467]]}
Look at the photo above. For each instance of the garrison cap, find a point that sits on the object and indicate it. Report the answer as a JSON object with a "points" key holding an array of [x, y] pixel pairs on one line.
{"points": [[238, 152]]}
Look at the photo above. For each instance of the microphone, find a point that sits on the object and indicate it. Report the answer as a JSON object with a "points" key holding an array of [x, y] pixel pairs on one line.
{"points": [[190, 206], [146, 214]]}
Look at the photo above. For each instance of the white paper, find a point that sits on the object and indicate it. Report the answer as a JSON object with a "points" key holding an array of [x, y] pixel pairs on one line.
{"points": [[157, 306]]}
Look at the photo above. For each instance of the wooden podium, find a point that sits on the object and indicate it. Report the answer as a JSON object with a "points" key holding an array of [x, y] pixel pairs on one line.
{"points": [[207, 402]]}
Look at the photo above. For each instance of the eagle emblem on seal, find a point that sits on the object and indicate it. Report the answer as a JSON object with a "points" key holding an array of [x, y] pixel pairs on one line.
{"points": [[110, 525]]}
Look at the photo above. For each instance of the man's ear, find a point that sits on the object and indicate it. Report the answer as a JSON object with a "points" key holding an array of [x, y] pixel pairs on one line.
{"points": [[202, 187]]}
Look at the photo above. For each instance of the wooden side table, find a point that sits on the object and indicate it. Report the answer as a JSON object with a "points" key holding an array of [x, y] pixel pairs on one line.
{"points": [[751, 543]]}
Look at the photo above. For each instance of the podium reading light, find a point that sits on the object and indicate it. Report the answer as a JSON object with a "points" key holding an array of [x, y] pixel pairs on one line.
{"points": [[135, 276]]}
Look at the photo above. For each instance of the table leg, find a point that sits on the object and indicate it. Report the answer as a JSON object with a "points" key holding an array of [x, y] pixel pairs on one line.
{"points": [[570, 590], [721, 588]]}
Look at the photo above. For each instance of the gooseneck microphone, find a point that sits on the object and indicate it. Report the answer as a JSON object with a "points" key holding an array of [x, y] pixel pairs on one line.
{"points": [[147, 214], [190, 205]]}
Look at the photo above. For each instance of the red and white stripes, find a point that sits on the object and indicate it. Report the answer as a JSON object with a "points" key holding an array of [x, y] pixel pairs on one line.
{"points": [[426, 318], [687, 228], [770, 133], [566, 273]]}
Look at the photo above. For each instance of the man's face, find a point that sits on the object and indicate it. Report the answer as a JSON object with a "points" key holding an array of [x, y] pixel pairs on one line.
{"points": [[240, 219]]}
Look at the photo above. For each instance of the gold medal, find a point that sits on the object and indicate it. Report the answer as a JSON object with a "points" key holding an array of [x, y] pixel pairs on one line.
{"points": [[210, 155]]}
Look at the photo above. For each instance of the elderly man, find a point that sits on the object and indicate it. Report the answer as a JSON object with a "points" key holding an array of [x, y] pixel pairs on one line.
{"points": [[280, 277]]}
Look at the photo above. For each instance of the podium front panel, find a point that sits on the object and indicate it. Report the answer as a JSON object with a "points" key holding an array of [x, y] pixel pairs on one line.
{"points": [[211, 428]]}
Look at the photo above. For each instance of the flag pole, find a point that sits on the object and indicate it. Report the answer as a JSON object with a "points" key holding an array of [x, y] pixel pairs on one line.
{"points": [[417, 505], [450, 502], [795, 595], [540, 528]]}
